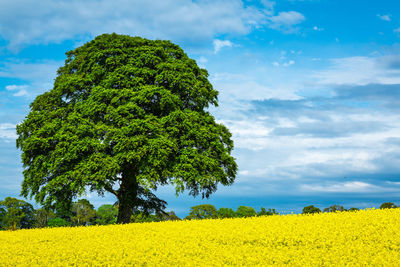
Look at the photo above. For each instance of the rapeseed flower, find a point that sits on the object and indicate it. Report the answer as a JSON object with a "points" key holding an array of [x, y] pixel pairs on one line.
{"points": [[361, 238]]}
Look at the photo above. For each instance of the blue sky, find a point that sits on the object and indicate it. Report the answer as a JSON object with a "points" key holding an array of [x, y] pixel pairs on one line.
{"points": [[309, 89]]}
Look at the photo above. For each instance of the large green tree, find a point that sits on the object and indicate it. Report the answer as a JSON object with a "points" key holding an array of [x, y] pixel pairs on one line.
{"points": [[124, 113]]}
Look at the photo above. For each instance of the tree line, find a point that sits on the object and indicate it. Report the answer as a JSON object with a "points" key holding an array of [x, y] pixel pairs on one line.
{"points": [[19, 214]]}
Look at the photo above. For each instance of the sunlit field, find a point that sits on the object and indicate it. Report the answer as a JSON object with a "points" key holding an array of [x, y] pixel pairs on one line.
{"points": [[366, 237]]}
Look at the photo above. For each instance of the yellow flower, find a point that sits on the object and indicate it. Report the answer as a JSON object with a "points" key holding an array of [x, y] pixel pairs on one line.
{"points": [[366, 237]]}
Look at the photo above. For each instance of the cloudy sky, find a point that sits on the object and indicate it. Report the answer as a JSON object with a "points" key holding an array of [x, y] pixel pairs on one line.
{"points": [[310, 89]]}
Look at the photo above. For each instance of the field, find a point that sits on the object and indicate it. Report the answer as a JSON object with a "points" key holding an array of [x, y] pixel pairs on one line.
{"points": [[366, 237]]}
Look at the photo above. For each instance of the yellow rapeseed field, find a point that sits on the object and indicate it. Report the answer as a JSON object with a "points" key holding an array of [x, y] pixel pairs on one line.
{"points": [[367, 237]]}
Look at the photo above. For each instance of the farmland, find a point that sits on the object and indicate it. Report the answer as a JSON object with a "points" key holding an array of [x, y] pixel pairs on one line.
{"points": [[365, 237]]}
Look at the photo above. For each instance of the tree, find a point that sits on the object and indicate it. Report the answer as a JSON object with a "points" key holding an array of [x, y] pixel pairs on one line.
{"points": [[42, 217], [2, 215], [16, 214], [267, 212], [353, 209], [106, 214], [387, 205], [334, 208], [83, 212], [57, 222], [204, 211], [168, 216], [311, 209], [125, 113], [226, 213], [244, 211]]}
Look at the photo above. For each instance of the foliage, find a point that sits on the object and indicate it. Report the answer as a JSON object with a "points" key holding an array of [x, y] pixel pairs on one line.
{"points": [[353, 209], [42, 217], [106, 214], [334, 208], [83, 212], [2, 215], [16, 214], [124, 112], [204, 211], [244, 211], [63, 208], [387, 205], [167, 216], [226, 213], [268, 212], [311, 209], [361, 238], [57, 222]]}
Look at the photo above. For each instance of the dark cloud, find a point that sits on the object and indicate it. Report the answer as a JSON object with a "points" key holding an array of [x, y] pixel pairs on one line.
{"points": [[370, 92], [391, 62]]}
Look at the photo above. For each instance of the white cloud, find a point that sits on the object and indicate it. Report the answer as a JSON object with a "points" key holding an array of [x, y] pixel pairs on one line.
{"points": [[359, 71], [397, 30], [384, 17], [393, 183], [315, 28], [286, 21], [39, 76], [30, 22], [202, 60], [218, 44], [241, 87], [7, 131], [21, 89], [346, 187], [289, 63]]}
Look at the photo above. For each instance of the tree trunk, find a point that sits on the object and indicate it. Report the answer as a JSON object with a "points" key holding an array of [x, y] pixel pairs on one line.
{"points": [[127, 195]]}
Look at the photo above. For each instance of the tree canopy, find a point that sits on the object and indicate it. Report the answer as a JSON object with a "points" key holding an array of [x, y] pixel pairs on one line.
{"points": [[125, 114], [16, 214], [387, 205], [203, 211], [311, 209], [83, 212], [106, 214], [245, 211]]}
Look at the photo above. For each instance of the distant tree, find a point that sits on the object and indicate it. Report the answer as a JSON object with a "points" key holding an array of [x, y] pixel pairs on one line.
{"points": [[311, 209], [57, 222], [125, 113], [387, 205], [244, 211], [2, 215], [204, 211], [353, 209], [168, 216], [17, 214], [334, 208], [42, 217], [226, 213], [140, 217], [63, 208], [263, 212], [83, 212], [106, 214]]}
